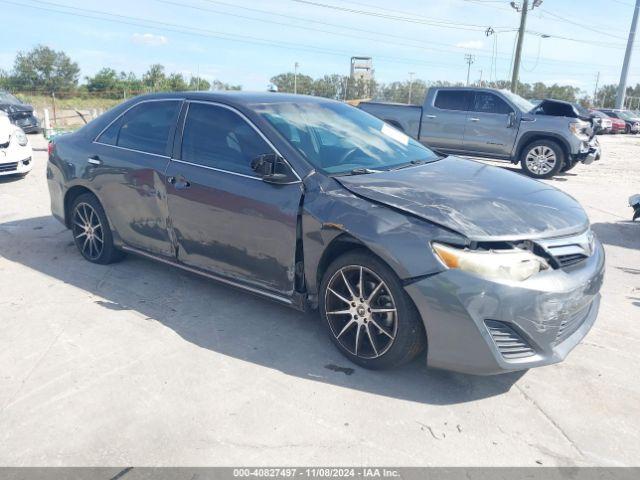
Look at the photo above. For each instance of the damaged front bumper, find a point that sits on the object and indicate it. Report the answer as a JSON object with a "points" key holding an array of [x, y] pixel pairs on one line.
{"points": [[485, 327], [589, 151]]}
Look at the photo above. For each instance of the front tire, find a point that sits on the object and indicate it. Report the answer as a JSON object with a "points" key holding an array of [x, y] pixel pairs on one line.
{"points": [[91, 232], [569, 165], [368, 315], [542, 159]]}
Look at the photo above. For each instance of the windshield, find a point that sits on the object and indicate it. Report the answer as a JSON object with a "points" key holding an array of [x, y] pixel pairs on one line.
{"points": [[337, 138], [521, 103], [626, 116], [7, 98]]}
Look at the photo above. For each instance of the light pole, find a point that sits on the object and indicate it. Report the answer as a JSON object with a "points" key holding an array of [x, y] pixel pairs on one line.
{"points": [[411, 74], [469, 59], [622, 86], [295, 77]]}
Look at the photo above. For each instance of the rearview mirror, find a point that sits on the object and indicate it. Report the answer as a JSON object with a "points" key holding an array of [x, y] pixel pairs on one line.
{"points": [[272, 168]]}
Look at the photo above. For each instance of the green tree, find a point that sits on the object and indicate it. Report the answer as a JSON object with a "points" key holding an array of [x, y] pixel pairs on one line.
{"points": [[218, 85], [106, 80], [154, 78], [199, 84], [331, 86], [45, 69], [175, 83], [286, 81]]}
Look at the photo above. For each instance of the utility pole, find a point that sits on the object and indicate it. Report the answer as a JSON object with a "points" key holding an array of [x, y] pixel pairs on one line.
{"points": [[480, 78], [524, 11], [595, 92], [622, 86], [295, 77], [470, 59], [411, 74]]}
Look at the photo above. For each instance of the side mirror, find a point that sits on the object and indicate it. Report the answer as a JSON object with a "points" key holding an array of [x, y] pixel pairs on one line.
{"points": [[272, 168], [511, 121]]}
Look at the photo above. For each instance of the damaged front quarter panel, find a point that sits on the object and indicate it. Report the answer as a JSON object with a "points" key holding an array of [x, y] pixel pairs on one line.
{"points": [[332, 215]]}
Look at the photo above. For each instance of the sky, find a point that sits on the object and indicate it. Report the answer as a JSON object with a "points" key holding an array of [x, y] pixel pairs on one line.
{"points": [[248, 41]]}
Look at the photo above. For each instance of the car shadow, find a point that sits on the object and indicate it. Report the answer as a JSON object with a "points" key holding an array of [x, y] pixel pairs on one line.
{"points": [[621, 234], [229, 321]]}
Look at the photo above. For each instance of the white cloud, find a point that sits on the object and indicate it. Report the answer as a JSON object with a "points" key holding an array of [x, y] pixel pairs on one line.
{"points": [[149, 39], [471, 44]]}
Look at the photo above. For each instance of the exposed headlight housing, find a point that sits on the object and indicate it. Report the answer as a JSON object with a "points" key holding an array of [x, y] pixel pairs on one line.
{"points": [[578, 128], [513, 264], [21, 138]]}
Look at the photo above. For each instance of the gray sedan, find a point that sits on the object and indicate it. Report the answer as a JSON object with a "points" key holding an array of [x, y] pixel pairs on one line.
{"points": [[318, 205]]}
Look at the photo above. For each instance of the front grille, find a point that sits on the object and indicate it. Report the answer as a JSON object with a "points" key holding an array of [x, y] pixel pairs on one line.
{"points": [[509, 342], [568, 260], [565, 252], [8, 167], [569, 325]]}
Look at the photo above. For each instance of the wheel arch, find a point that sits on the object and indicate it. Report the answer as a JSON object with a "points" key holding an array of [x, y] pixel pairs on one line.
{"points": [[531, 137], [70, 196]]}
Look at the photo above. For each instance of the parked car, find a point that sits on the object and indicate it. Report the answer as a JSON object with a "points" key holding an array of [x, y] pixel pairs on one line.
{"points": [[632, 122], [15, 149], [496, 124], [608, 124], [19, 113], [634, 202], [318, 205]]}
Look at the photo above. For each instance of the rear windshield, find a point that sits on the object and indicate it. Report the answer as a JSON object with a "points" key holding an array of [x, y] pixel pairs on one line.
{"points": [[337, 138]]}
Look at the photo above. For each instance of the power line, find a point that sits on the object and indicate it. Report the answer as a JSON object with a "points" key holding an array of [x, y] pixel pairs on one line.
{"points": [[402, 18]]}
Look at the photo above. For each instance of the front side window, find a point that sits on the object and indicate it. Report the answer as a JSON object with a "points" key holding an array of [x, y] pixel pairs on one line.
{"points": [[337, 138], [145, 127], [489, 103], [452, 100], [219, 138]]}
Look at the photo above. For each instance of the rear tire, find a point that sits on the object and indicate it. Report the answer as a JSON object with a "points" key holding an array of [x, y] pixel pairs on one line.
{"points": [[542, 159], [91, 232], [378, 327]]}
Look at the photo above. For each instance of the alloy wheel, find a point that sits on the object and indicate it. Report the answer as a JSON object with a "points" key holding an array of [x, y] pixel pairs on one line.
{"points": [[361, 312], [541, 160], [88, 231]]}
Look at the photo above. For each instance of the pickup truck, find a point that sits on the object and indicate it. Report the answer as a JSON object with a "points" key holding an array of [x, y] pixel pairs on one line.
{"points": [[545, 139]]}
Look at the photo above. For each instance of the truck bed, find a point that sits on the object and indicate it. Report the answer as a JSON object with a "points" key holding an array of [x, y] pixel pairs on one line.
{"points": [[404, 117]]}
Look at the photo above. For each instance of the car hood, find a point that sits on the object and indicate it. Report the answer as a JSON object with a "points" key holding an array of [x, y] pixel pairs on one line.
{"points": [[476, 200], [12, 108]]}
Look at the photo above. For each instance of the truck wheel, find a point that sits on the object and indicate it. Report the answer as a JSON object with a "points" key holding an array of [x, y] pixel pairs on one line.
{"points": [[542, 159]]}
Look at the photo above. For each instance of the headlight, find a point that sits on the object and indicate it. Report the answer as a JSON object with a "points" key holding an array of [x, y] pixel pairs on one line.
{"points": [[494, 264], [21, 138], [578, 128]]}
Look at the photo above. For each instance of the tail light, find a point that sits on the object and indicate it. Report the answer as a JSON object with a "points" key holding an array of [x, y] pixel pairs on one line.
{"points": [[51, 149]]}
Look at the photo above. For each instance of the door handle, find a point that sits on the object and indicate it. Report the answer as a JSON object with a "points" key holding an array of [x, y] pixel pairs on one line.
{"points": [[474, 119], [94, 160], [430, 116]]}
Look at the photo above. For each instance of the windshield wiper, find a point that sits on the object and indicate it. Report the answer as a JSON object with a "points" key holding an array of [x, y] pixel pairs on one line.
{"points": [[362, 171], [411, 164]]}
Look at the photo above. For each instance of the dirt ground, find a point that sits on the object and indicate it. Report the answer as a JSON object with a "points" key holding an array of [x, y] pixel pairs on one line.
{"points": [[141, 364]]}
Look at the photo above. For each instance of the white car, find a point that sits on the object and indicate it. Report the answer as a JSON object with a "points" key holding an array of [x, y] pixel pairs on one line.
{"points": [[16, 155]]}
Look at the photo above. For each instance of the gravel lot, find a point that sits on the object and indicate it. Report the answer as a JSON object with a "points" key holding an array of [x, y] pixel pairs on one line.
{"points": [[142, 364]]}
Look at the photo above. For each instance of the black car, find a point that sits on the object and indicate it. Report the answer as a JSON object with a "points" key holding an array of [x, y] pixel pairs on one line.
{"points": [[19, 113], [318, 205]]}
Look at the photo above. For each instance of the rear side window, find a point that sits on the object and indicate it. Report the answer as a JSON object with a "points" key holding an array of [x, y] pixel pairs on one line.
{"points": [[489, 103], [219, 138], [145, 127], [453, 100]]}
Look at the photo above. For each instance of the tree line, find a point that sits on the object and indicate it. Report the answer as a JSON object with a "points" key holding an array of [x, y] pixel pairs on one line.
{"points": [[43, 70]]}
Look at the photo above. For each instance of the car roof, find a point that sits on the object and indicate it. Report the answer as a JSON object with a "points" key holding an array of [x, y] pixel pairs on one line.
{"points": [[239, 98]]}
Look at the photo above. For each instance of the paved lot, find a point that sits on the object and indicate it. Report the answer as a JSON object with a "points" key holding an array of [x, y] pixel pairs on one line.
{"points": [[142, 364]]}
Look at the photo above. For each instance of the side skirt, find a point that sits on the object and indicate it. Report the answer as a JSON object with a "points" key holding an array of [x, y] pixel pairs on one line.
{"points": [[294, 303]]}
